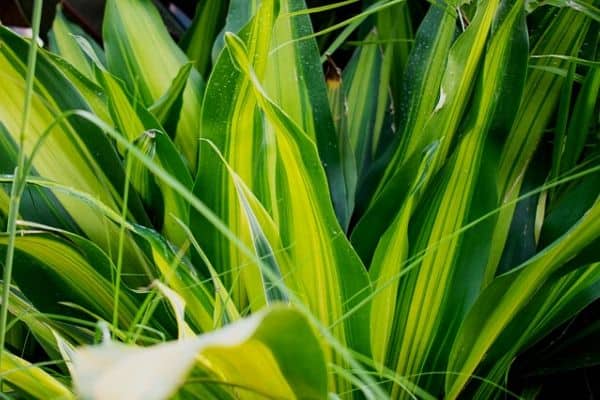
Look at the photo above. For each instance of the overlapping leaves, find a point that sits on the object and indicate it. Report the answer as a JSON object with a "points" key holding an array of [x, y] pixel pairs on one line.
{"points": [[242, 193]]}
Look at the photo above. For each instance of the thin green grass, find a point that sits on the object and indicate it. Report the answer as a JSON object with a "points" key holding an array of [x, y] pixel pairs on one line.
{"points": [[20, 173], [121, 245]]}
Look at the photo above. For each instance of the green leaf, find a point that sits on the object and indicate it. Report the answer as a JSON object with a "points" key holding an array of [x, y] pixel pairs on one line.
{"points": [[75, 269], [554, 304], [295, 82], [149, 70], [571, 206], [292, 76], [256, 356], [63, 142], [37, 204], [88, 89], [178, 307], [257, 216], [424, 73], [63, 42], [32, 380], [361, 83], [386, 268], [540, 96], [449, 266], [198, 39], [339, 109], [224, 309], [167, 108], [228, 123], [137, 124], [181, 276], [508, 294], [240, 12], [40, 326], [318, 249], [579, 6], [581, 120], [395, 28]]}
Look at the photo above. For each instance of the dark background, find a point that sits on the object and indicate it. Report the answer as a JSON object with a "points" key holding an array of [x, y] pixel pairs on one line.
{"points": [[88, 13]]}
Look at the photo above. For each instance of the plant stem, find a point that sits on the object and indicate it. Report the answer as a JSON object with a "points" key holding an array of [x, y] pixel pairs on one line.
{"points": [[115, 320], [18, 185]]}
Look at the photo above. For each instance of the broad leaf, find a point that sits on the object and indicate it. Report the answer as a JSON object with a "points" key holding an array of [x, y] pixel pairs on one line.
{"points": [[32, 380], [64, 42], [508, 294], [129, 26], [199, 38], [255, 357], [66, 143]]}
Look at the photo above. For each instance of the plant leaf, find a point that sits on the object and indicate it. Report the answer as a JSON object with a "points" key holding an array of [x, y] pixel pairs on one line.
{"points": [[508, 294], [540, 96], [318, 249], [63, 42], [198, 39], [137, 124], [77, 271], [251, 354], [424, 73], [32, 380], [149, 70], [66, 143], [167, 108]]}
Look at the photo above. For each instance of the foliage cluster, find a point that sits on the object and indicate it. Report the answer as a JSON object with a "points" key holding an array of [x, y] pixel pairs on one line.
{"points": [[219, 218]]}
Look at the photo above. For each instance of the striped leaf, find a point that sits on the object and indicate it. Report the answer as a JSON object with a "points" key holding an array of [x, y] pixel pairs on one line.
{"points": [[88, 89], [182, 277], [295, 82], [264, 241], [64, 42], [77, 271], [167, 109], [199, 38], [66, 144], [420, 89], [43, 327], [390, 257], [554, 304], [540, 97], [139, 126], [578, 131], [362, 93], [240, 12], [279, 163], [507, 295], [229, 126], [314, 243], [449, 267], [339, 110], [148, 70], [37, 204], [284, 366], [32, 380], [395, 29]]}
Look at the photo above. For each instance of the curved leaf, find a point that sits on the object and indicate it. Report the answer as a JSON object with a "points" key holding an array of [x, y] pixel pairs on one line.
{"points": [[32, 380], [69, 144], [254, 356], [67, 269], [508, 294], [63, 42], [139, 126], [128, 28]]}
